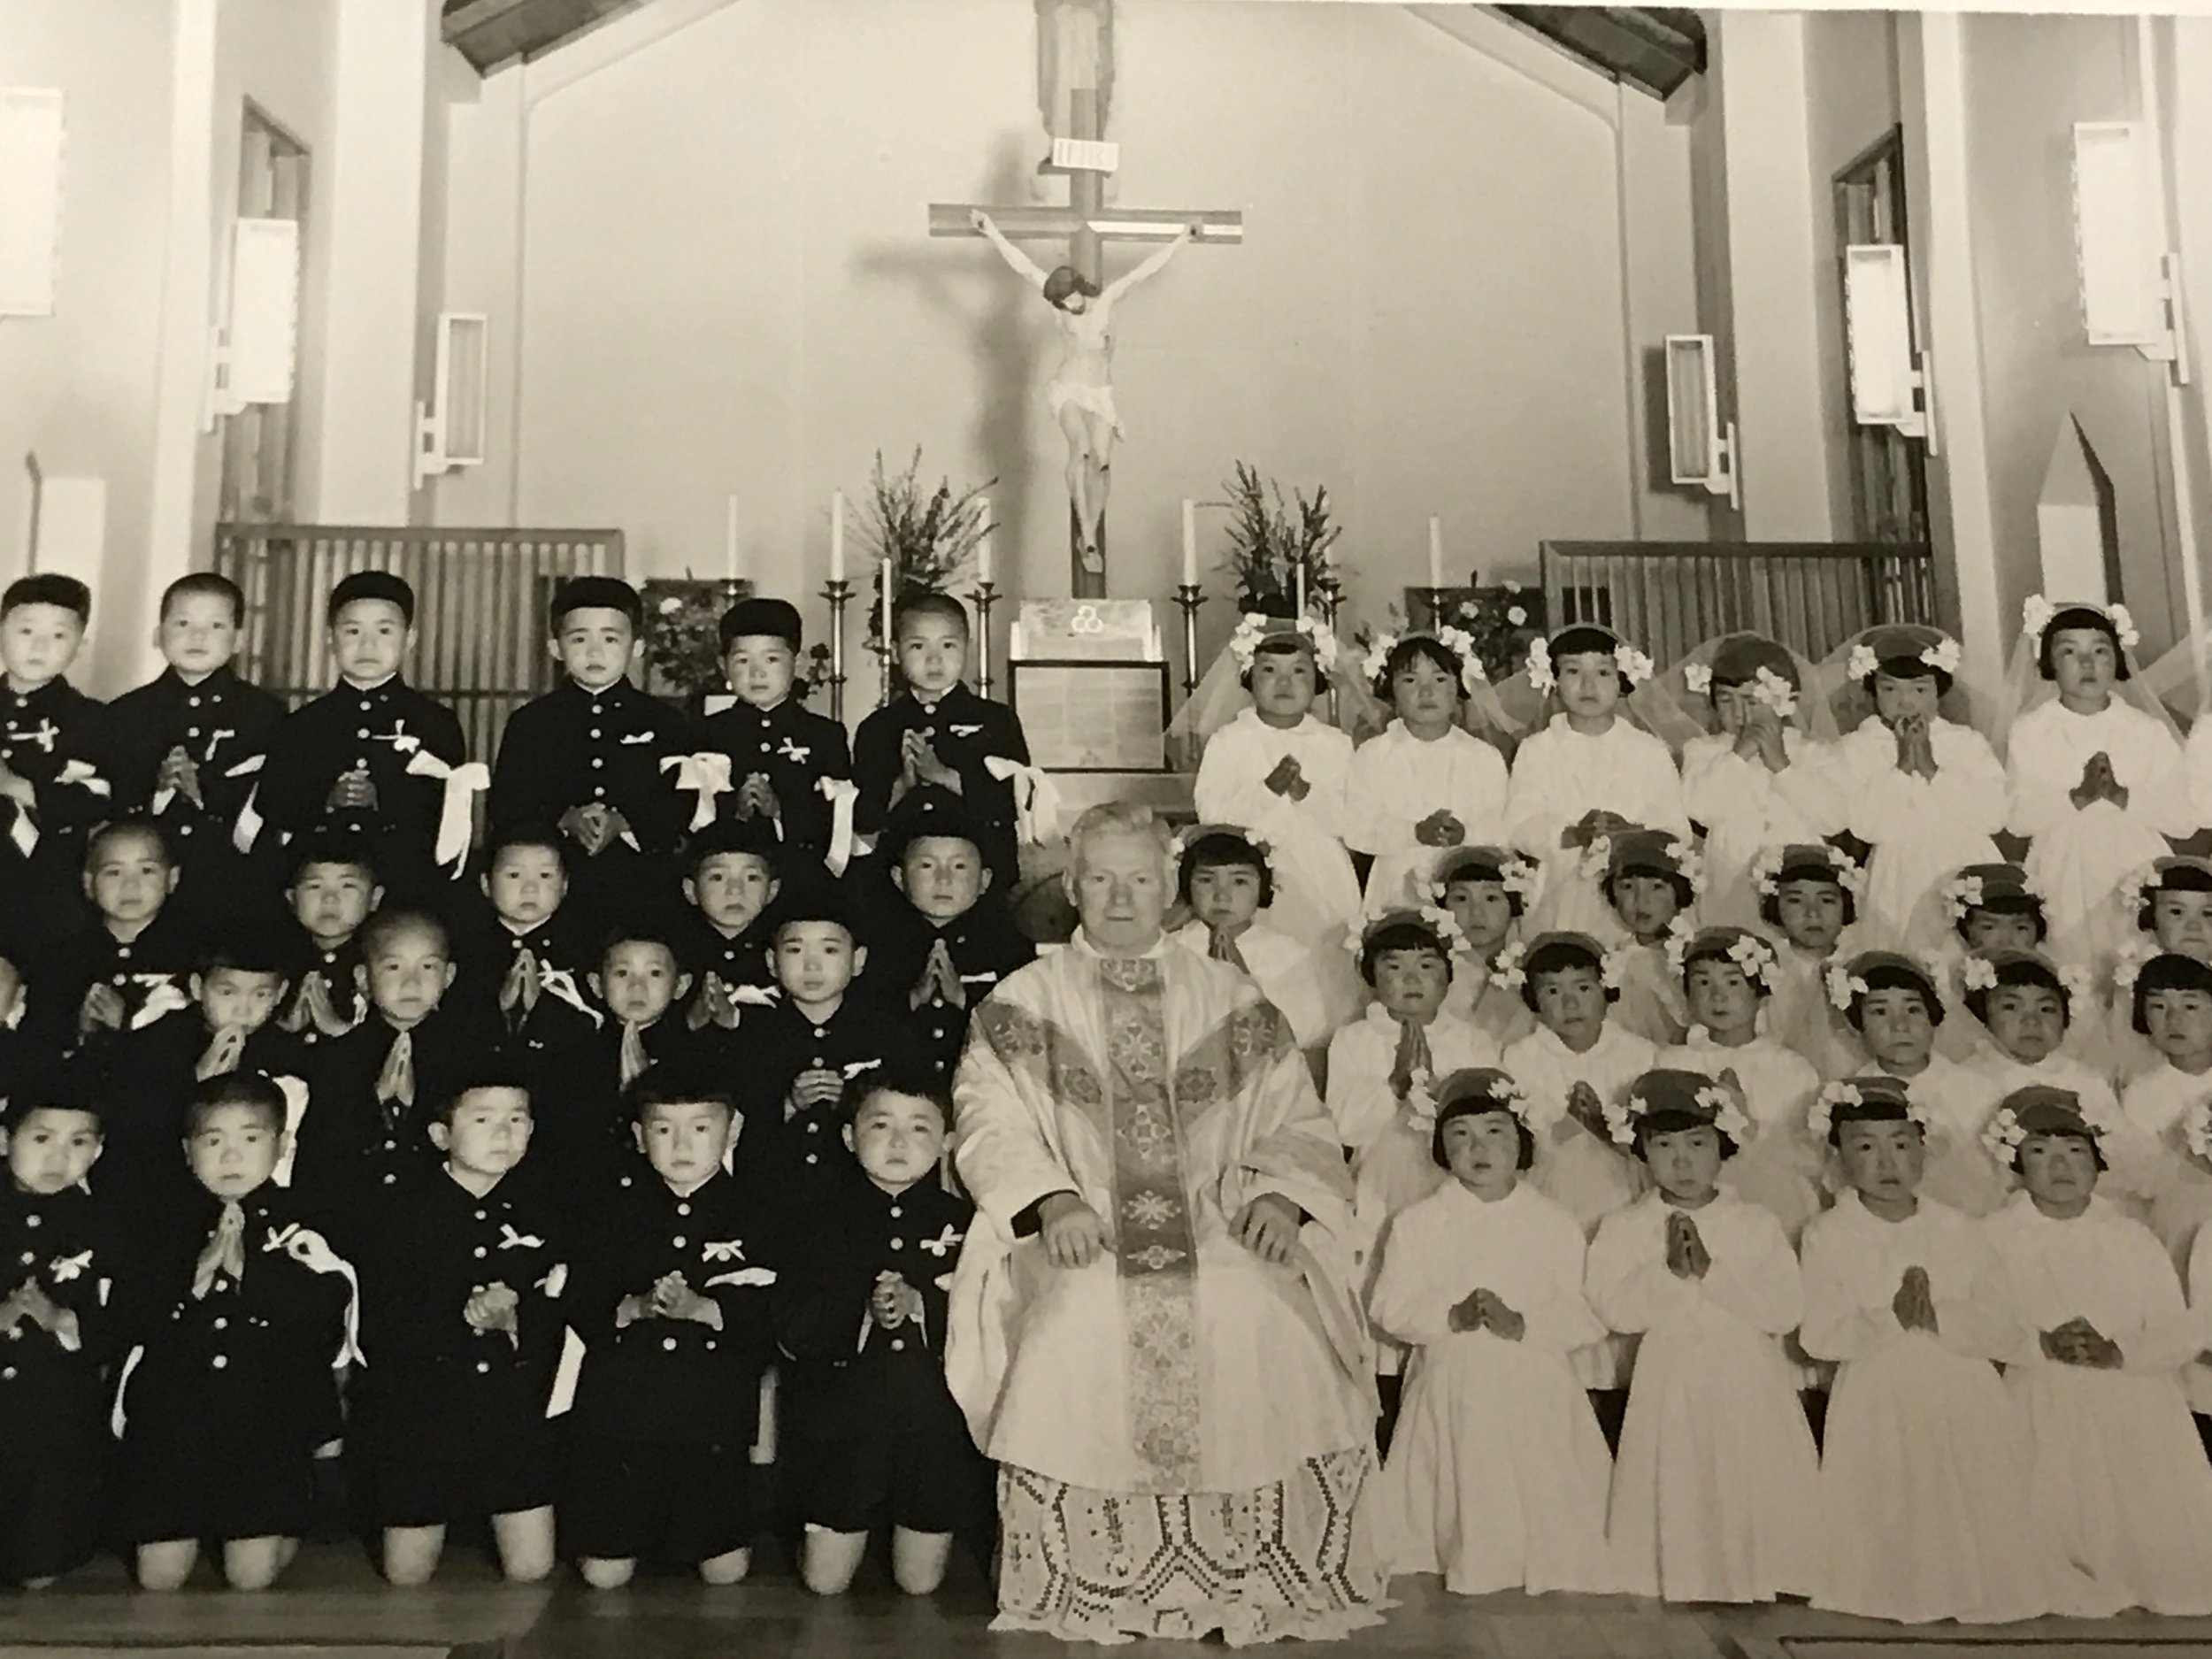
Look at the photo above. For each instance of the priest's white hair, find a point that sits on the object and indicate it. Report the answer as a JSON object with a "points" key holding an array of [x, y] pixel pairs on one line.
{"points": [[1119, 817]]}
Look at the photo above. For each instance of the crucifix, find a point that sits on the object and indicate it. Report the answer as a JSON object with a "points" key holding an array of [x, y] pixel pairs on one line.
{"points": [[1075, 79]]}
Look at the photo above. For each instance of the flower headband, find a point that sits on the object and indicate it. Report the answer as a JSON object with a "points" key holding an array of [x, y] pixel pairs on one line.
{"points": [[1598, 856], [1979, 973], [1435, 917], [1505, 1092], [1943, 656], [1185, 839], [2038, 613], [1728, 1117], [2196, 1129], [1747, 952], [1844, 986], [1516, 875], [2005, 1134], [1509, 969], [1767, 686], [1634, 666], [1253, 630], [1766, 870], [2129, 962], [1458, 642], [1820, 1116], [1963, 893]]}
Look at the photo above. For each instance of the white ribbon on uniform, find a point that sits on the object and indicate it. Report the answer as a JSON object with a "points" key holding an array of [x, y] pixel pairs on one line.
{"points": [[23, 831], [717, 702], [706, 775], [842, 794], [295, 1093], [312, 1252], [462, 784], [1036, 798], [166, 997], [247, 830], [561, 982]]}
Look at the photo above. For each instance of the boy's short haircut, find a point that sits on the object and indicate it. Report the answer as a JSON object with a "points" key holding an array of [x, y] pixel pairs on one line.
{"points": [[1222, 848], [361, 585], [644, 933], [917, 1083], [927, 813], [329, 848], [49, 1087], [749, 836], [378, 932], [595, 593], [676, 1083], [927, 602], [762, 618], [239, 947], [255, 1089], [49, 588], [129, 824], [204, 584], [511, 836], [484, 1073], [802, 901], [1559, 956]]}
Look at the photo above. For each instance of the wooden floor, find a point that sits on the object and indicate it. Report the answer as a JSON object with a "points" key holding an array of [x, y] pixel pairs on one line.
{"points": [[331, 1606]]}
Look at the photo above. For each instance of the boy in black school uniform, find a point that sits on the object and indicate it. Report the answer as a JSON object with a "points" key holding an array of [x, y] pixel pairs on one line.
{"points": [[731, 880], [523, 958], [943, 939], [936, 731], [369, 1091], [642, 986], [130, 957], [669, 1295], [808, 1050], [787, 763], [234, 1384], [188, 746], [54, 756], [63, 1296], [874, 1434], [460, 1335], [587, 757], [331, 889], [342, 762]]}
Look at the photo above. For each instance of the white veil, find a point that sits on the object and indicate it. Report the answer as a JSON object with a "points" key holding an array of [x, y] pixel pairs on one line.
{"points": [[1785, 680], [2025, 689], [1529, 703], [1844, 673], [1220, 694]]}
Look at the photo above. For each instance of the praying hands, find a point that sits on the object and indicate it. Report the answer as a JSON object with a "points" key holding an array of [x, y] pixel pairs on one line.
{"points": [[2099, 782], [2078, 1342], [1687, 1254], [179, 772], [1915, 746], [1915, 1301], [1288, 780], [1486, 1311]]}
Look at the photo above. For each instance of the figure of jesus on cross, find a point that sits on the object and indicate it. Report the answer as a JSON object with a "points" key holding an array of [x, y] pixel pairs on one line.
{"points": [[1075, 70]]}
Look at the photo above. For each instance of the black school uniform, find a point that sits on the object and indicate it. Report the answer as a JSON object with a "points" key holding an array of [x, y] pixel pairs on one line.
{"points": [[592, 1144], [60, 976], [794, 749], [852, 1041], [230, 1392], [666, 1410], [336, 968], [53, 1399], [573, 747], [449, 1421], [487, 950], [875, 1433], [224, 725], [347, 729], [57, 740], [356, 1145], [982, 946], [965, 730]]}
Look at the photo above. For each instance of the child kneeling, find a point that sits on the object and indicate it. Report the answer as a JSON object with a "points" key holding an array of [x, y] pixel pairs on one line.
{"points": [[875, 1435]]}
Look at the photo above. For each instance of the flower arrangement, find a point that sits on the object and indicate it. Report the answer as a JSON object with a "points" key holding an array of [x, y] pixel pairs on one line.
{"points": [[1500, 620], [2037, 614], [1380, 642], [1270, 542], [683, 638], [1244, 644], [926, 538]]}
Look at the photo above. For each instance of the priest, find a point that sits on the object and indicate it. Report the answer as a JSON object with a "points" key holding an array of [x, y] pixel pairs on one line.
{"points": [[1152, 1329]]}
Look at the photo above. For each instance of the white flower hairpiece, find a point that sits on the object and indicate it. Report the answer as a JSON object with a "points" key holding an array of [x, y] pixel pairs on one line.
{"points": [[1634, 665], [1766, 870], [1505, 1093], [1458, 642], [1747, 952], [1244, 644], [2124, 625], [1434, 916], [1507, 969], [1961, 894], [2136, 887], [1698, 677], [1862, 662], [2037, 614], [2005, 1133], [1613, 969], [2196, 1129], [1516, 874], [1261, 844], [1943, 656], [1539, 666], [1820, 1116], [1843, 987], [1599, 854], [2129, 962], [1728, 1115], [1677, 943], [1776, 692], [1979, 973]]}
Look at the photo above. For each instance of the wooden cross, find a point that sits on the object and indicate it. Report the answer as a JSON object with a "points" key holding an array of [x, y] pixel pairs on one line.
{"points": [[1087, 224]]}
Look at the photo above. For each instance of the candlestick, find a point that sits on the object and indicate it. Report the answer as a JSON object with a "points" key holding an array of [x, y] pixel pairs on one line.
{"points": [[1190, 543], [1436, 552], [837, 535], [983, 543], [889, 645], [986, 596], [839, 592], [1298, 590], [729, 542], [1189, 597]]}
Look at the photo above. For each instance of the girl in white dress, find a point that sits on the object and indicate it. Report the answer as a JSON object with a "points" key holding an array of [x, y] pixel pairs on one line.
{"points": [[1758, 780], [1990, 908], [1574, 1065], [1896, 1005], [1589, 771], [1651, 881], [1808, 899], [1276, 769], [2169, 904], [1426, 783], [2096, 781], [1724, 974], [1486, 889], [2026, 1007], [1225, 879], [2170, 1000], [1926, 793], [1924, 1477], [2095, 1360], [1497, 1477], [1716, 1488]]}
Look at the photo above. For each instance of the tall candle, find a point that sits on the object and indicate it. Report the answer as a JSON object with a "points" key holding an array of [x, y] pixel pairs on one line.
{"points": [[837, 535], [983, 540], [1298, 584], [729, 541], [886, 601], [1436, 552], [1190, 543]]}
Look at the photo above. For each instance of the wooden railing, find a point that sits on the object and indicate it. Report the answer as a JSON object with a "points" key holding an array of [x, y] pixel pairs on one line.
{"points": [[480, 597], [1665, 598]]}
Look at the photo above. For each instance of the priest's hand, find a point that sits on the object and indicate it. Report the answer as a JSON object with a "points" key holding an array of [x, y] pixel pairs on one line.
{"points": [[1268, 1227], [1073, 1235], [1913, 1304]]}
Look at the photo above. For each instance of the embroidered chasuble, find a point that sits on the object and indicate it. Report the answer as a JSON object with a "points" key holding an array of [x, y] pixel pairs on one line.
{"points": [[1166, 1092]]}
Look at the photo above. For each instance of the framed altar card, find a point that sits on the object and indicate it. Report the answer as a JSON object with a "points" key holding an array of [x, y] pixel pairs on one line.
{"points": [[1084, 716]]}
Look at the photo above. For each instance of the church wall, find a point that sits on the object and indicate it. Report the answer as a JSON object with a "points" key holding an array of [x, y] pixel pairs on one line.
{"points": [[2188, 96], [1409, 322]]}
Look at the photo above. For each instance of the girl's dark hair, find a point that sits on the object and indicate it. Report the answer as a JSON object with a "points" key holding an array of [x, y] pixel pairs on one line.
{"points": [[1472, 870], [1889, 977], [2179, 878], [2017, 975], [1770, 903], [1410, 648], [2006, 904], [1715, 948], [2079, 618], [1665, 1122], [490, 1072], [1556, 955], [1402, 936], [1909, 667], [1282, 645], [1685, 895], [2167, 971], [1584, 641], [1223, 850], [1475, 1106], [918, 1082]]}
